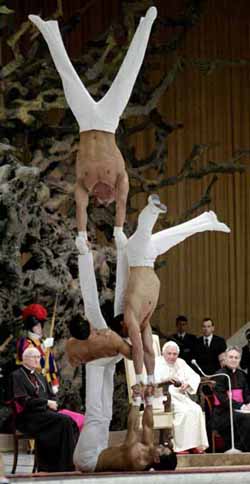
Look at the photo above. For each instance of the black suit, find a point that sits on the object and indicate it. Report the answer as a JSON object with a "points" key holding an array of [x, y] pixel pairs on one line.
{"points": [[187, 346], [207, 357]]}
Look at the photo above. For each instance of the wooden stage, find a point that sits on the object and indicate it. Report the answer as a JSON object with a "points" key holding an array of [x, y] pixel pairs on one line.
{"points": [[191, 469]]}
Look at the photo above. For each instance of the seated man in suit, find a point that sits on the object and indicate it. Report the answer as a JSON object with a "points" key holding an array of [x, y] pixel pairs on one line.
{"points": [[209, 347], [186, 341]]}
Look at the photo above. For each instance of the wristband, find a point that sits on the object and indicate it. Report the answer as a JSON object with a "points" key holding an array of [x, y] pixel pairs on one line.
{"points": [[117, 231], [149, 401], [139, 378], [83, 234], [151, 379]]}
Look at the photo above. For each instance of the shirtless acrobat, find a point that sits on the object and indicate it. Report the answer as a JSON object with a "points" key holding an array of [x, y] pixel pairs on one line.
{"points": [[100, 167]]}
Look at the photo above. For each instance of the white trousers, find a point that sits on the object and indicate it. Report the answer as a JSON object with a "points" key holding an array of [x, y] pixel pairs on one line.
{"points": [[99, 373], [143, 248], [102, 115], [90, 294], [99, 399]]}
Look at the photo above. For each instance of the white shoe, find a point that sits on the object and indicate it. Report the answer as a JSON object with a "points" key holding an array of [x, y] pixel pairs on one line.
{"points": [[155, 201], [221, 227]]}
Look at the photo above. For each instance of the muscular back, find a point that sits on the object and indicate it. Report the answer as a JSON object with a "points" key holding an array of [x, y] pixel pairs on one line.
{"points": [[142, 293], [105, 343], [98, 159]]}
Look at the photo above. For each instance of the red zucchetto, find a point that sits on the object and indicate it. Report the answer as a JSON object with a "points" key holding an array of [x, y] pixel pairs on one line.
{"points": [[35, 310]]}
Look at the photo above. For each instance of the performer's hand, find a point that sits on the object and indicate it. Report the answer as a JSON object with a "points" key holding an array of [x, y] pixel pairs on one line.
{"points": [[120, 238], [52, 405], [138, 391], [48, 342], [176, 383], [183, 387], [82, 245], [149, 390]]}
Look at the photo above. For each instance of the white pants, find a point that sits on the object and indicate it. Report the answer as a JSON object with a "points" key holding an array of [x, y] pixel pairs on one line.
{"points": [[99, 399], [102, 115], [143, 248], [99, 373], [90, 294]]}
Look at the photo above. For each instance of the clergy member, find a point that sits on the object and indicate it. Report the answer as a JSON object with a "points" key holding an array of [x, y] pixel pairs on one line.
{"points": [[240, 402], [188, 419], [36, 414]]}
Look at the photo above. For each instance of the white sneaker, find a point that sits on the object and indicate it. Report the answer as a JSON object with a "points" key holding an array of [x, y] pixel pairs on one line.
{"points": [[221, 227], [155, 201]]}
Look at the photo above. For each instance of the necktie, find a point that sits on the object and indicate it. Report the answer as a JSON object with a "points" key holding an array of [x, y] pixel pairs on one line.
{"points": [[206, 342]]}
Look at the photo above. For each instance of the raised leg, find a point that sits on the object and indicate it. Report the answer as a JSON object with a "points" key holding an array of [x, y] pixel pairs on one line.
{"points": [[140, 250], [89, 291], [78, 98], [117, 97], [168, 238]]}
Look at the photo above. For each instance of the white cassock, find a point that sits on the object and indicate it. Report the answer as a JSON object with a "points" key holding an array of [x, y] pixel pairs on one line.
{"points": [[189, 422]]}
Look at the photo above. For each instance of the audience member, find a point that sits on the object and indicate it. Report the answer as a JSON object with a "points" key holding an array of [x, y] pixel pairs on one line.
{"points": [[36, 413], [209, 347], [245, 357], [222, 359], [34, 317], [186, 341], [189, 422], [240, 400]]}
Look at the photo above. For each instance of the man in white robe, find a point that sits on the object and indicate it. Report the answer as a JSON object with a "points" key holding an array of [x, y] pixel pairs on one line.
{"points": [[189, 422]]}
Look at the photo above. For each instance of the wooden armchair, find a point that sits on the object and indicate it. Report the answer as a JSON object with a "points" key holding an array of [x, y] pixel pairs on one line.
{"points": [[163, 417]]}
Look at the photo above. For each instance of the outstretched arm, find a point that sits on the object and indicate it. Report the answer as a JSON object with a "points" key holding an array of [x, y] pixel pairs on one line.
{"points": [[148, 425], [122, 188], [133, 426], [82, 200]]}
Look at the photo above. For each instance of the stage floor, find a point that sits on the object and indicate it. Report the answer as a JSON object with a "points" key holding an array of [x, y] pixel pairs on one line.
{"points": [[206, 469]]}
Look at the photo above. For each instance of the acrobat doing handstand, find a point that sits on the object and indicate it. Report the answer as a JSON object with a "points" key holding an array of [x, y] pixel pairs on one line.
{"points": [[100, 167], [143, 286]]}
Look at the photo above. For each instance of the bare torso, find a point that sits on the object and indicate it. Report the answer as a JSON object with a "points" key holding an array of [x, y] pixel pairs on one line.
{"points": [[98, 160], [104, 344], [142, 293], [123, 458]]}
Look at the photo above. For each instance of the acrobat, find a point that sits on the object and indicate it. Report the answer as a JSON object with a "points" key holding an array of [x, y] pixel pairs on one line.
{"points": [[100, 167], [143, 287]]}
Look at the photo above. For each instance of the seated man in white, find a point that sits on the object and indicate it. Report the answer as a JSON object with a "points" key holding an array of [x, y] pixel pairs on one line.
{"points": [[188, 420]]}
